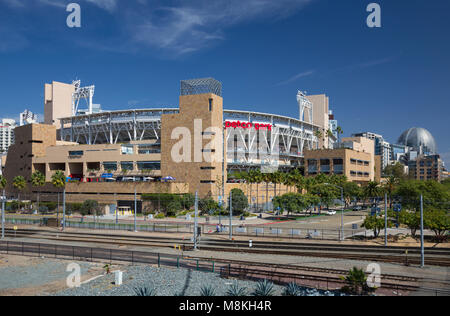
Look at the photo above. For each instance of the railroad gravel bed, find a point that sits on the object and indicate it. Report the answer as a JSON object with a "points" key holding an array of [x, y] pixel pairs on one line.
{"points": [[170, 282]]}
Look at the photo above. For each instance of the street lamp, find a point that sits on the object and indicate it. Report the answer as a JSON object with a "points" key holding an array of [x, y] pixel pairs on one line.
{"points": [[342, 213]]}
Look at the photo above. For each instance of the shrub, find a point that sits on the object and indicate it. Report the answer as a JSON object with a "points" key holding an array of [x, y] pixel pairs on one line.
{"points": [[145, 291], [292, 289], [264, 289], [356, 281], [207, 291], [160, 216], [236, 291]]}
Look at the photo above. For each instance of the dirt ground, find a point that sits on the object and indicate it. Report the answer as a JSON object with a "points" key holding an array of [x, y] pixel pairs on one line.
{"points": [[49, 282]]}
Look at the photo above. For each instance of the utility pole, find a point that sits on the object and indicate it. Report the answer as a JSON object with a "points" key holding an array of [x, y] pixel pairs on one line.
{"points": [[231, 216], [342, 213], [422, 248], [385, 220], [195, 220], [64, 208], [3, 214], [135, 209]]}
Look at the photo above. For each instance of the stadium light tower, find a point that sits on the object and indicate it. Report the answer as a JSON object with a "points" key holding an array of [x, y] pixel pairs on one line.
{"points": [[86, 93], [305, 106]]}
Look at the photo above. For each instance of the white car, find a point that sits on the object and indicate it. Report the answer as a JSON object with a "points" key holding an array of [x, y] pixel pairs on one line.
{"points": [[330, 213]]}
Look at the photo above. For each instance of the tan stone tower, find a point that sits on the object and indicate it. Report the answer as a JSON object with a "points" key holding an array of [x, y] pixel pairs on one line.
{"points": [[192, 140]]}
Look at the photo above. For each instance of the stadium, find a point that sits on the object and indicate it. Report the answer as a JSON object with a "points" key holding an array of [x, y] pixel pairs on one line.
{"points": [[91, 145], [286, 137]]}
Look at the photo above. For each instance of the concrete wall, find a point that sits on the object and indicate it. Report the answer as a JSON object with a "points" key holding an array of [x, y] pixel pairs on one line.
{"points": [[197, 167], [57, 102]]}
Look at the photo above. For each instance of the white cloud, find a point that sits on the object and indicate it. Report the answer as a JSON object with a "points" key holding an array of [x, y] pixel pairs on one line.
{"points": [[177, 26], [108, 5], [187, 27], [296, 77]]}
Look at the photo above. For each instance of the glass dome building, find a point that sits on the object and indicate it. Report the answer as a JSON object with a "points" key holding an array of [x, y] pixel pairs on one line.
{"points": [[420, 139]]}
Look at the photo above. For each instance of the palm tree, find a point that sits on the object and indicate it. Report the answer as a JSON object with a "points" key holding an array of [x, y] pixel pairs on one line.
{"points": [[258, 178], [389, 187], [59, 181], [38, 181], [297, 180], [20, 184], [319, 135], [339, 131], [266, 179], [372, 190], [3, 184]]}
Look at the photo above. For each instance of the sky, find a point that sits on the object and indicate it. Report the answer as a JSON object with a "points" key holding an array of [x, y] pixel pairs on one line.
{"points": [[384, 80]]}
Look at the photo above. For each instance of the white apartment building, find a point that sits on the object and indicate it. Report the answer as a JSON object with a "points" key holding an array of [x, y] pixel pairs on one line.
{"points": [[6, 134], [382, 147]]}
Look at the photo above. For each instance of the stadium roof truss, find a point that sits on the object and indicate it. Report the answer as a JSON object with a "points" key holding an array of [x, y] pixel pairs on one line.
{"points": [[286, 141]]}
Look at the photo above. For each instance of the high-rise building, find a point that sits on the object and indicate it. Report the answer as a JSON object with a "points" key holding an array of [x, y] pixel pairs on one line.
{"points": [[382, 147], [426, 168], [7, 134], [321, 117]]}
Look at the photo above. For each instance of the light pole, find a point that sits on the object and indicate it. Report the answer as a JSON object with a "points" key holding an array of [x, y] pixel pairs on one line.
{"points": [[3, 214], [195, 220], [343, 207], [385, 221], [231, 216], [422, 248], [135, 209]]}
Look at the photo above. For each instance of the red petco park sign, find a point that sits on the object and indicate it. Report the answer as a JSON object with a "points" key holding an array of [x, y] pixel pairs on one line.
{"points": [[248, 125]]}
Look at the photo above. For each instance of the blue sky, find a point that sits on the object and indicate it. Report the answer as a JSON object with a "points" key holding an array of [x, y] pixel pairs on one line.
{"points": [[383, 80]]}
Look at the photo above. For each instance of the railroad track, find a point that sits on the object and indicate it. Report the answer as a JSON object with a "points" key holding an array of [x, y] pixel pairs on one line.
{"points": [[440, 257], [319, 278]]}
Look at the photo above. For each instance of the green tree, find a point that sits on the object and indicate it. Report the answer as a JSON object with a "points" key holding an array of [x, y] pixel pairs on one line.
{"points": [[207, 204], [352, 191], [389, 187], [410, 219], [396, 170], [91, 207], [58, 180], [38, 181], [239, 200], [339, 132], [372, 190], [188, 201], [438, 221], [326, 193], [3, 183], [435, 195], [20, 184], [375, 223]]}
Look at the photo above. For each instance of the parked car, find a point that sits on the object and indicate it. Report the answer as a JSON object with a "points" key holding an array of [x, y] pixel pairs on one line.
{"points": [[357, 208], [330, 212]]}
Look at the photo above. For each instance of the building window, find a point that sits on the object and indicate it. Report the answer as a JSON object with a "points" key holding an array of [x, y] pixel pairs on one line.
{"points": [[208, 150], [149, 165], [207, 181], [149, 149], [210, 105], [110, 166], [127, 150], [76, 153], [127, 165]]}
